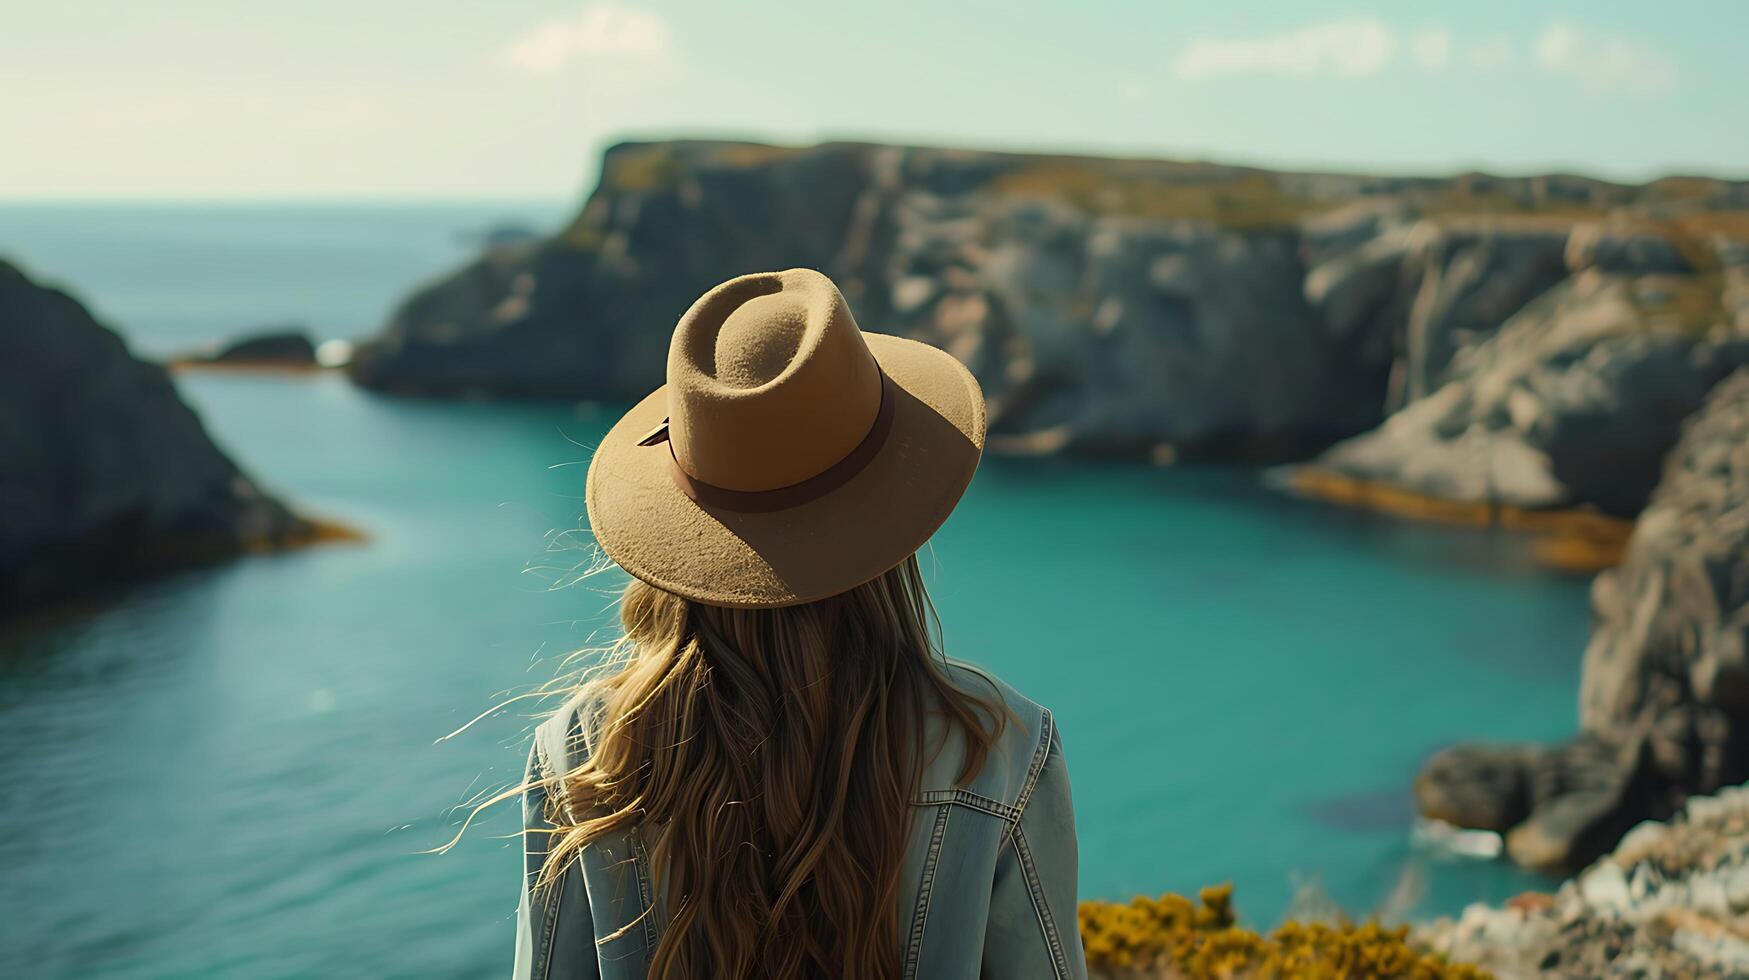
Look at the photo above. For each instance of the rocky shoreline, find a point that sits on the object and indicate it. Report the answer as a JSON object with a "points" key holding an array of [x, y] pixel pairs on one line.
{"points": [[1664, 695], [1572, 539], [1672, 900], [115, 478]]}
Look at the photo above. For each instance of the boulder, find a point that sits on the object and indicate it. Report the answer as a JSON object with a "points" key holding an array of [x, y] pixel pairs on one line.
{"points": [[105, 473]]}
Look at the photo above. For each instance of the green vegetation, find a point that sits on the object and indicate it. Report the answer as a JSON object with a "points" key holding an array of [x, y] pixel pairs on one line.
{"points": [[1683, 188], [751, 154], [1250, 199], [1691, 304], [640, 168], [1169, 937], [1241, 200], [582, 236], [659, 166], [1458, 202], [1245, 199], [1708, 224], [646, 168]]}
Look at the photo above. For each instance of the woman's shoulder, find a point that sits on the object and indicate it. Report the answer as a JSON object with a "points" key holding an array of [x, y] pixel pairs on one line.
{"points": [[1027, 737], [563, 740], [983, 683]]}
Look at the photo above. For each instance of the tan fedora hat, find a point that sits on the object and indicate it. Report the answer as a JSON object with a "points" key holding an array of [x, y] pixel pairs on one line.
{"points": [[790, 456]]}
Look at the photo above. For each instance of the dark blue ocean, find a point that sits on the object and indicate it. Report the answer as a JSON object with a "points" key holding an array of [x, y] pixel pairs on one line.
{"points": [[233, 772]]}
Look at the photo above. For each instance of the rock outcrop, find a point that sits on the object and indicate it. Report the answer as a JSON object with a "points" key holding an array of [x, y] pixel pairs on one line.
{"points": [[287, 346], [1671, 901], [105, 474], [1576, 397], [1107, 306], [1664, 698]]}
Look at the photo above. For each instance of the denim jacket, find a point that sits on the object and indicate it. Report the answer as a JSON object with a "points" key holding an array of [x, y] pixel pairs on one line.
{"points": [[987, 888]]}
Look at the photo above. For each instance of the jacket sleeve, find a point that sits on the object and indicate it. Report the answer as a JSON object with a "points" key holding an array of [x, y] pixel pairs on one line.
{"points": [[555, 932], [1032, 929]]}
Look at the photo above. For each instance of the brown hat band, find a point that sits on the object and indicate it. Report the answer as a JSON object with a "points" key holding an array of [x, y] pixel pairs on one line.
{"points": [[796, 494]]}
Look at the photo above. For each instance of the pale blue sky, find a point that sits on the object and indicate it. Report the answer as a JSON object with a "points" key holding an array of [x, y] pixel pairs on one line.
{"points": [[516, 98]]}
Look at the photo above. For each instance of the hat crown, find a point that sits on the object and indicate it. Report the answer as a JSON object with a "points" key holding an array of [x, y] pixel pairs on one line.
{"points": [[770, 382], [760, 339]]}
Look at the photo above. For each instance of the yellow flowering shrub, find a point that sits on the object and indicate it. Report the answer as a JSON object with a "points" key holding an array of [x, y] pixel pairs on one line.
{"points": [[1170, 937]]}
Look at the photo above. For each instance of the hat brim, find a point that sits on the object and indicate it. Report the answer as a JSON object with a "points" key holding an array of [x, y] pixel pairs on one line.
{"points": [[826, 546]]}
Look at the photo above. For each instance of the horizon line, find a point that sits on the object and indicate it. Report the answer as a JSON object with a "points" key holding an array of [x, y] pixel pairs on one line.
{"points": [[1442, 170], [148, 199]]}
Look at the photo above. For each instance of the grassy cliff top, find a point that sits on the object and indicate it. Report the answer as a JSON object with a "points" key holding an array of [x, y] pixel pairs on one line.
{"points": [[1232, 196]]}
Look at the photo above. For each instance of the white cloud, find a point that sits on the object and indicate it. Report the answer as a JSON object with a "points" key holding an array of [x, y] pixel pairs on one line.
{"points": [[1341, 48], [602, 31], [1604, 64], [1364, 47], [1432, 49], [1491, 54]]}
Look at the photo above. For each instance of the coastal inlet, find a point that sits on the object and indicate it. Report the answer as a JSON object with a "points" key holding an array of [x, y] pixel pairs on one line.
{"points": [[1515, 351]]}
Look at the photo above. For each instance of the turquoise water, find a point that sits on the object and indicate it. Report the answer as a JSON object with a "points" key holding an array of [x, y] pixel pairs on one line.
{"points": [[232, 772]]}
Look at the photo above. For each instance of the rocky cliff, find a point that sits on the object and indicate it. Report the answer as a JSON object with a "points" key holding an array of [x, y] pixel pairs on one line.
{"points": [[1574, 397], [1664, 697], [104, 473], [1123, 306]]}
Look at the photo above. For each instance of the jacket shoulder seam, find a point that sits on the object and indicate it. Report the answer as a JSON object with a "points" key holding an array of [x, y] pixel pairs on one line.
{"points": [[965, 797], [1040, 753]]}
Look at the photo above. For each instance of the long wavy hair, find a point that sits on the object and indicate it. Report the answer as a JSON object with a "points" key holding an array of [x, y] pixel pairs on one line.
{"points": [[769, 757]]}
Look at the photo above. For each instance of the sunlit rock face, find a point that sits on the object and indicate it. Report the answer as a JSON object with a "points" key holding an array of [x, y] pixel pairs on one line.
{"points": [[105, 474], [1144, 308], [1575, 399], [1604, 337]]}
